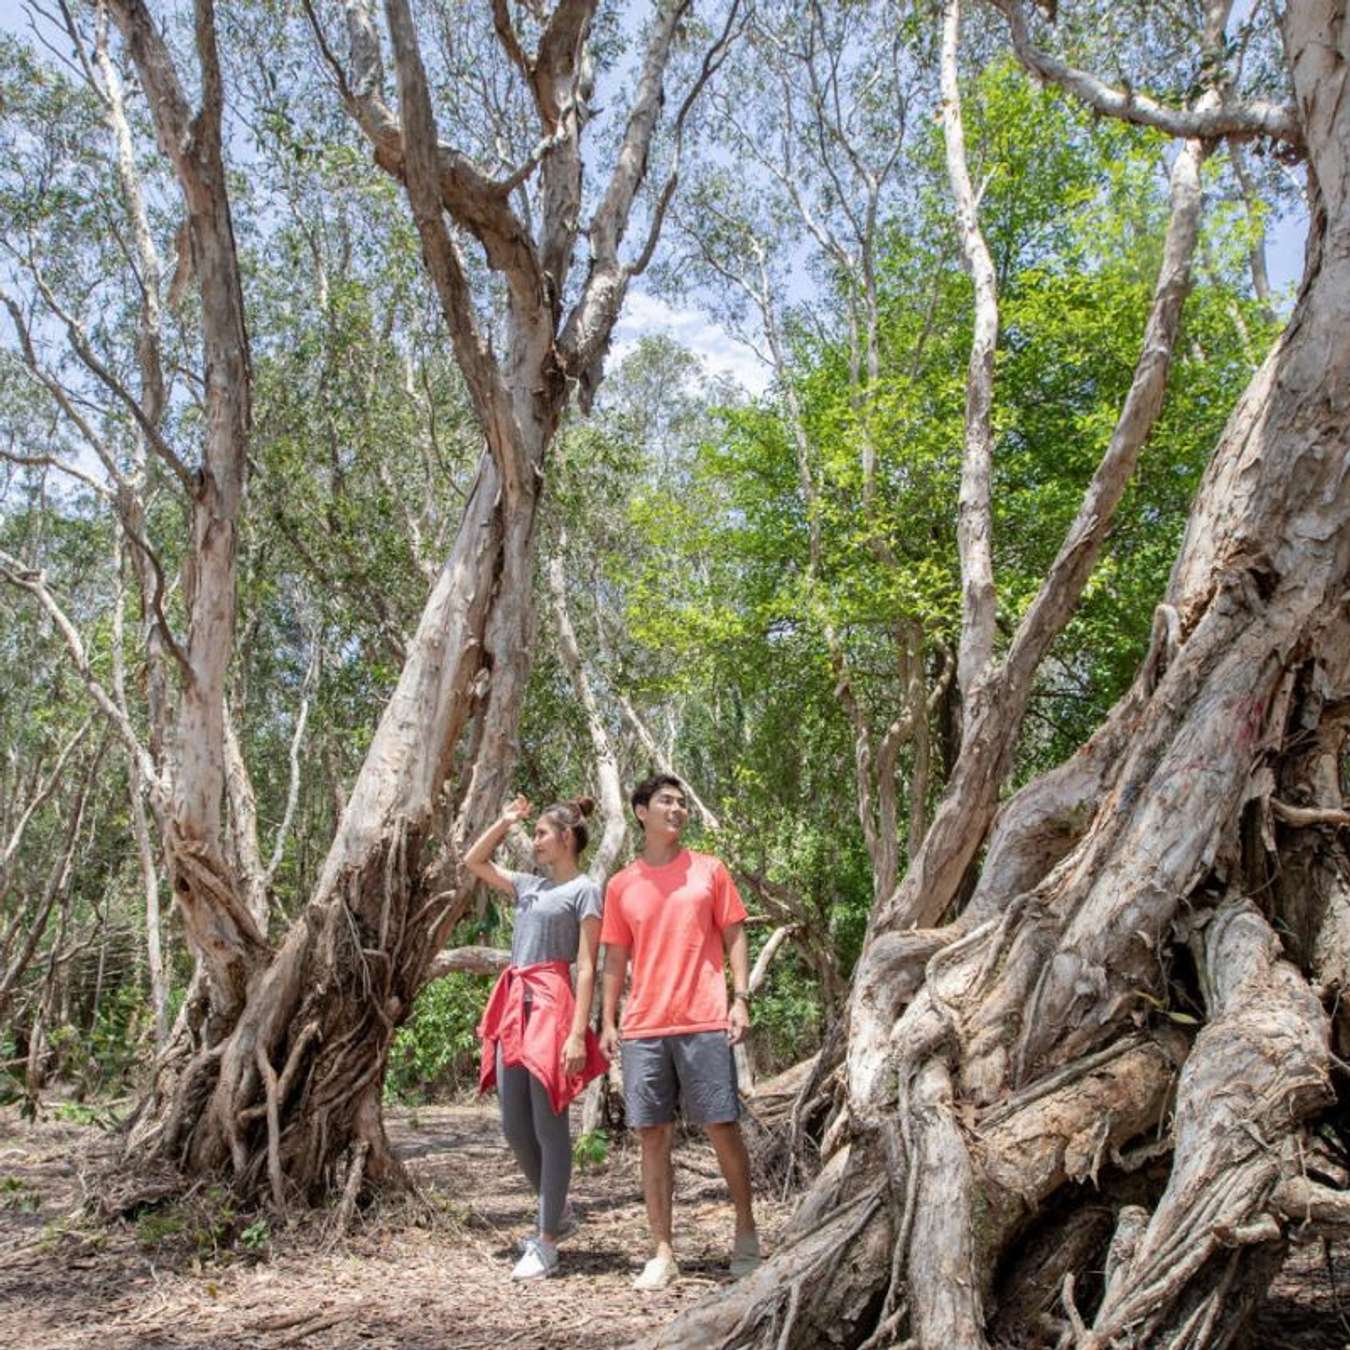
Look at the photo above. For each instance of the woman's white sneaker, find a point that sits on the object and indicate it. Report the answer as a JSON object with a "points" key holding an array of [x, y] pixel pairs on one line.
{"points": [[567, 1225], [539, 1262]]}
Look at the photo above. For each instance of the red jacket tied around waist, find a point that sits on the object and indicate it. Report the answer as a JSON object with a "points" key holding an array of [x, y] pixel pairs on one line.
{"points": [[536, 1042]]}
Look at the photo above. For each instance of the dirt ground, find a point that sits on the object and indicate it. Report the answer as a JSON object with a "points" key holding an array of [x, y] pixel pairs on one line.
{"points": [[197, 1274]]}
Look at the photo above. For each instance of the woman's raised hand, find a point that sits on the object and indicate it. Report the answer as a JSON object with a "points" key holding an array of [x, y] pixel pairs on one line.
{"points": [[516, 810]]}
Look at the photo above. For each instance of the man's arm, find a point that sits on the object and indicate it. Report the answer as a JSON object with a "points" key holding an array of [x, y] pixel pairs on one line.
{"points": [[738, 957], [616, 970]]}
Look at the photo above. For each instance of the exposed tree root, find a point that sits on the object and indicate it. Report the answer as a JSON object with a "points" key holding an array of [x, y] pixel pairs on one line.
{"points": [[836, 1265], [325, 1011], [1257, 1071]]}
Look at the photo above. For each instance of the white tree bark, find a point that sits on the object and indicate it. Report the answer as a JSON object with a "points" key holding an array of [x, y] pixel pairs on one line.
{"points": [[975, 517], [612, 806]]}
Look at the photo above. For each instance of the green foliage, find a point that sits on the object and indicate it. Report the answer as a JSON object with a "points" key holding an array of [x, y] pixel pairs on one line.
{"points": [[157, 1226], [86, 1113], [787, 1019], [102, 1055], [436, 1049], [206, 1224], [17, 1194], [590, 1151], [257, 1236]]}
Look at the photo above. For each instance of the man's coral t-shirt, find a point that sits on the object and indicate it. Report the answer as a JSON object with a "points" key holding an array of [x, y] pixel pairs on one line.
{"points": [[671, 920]]}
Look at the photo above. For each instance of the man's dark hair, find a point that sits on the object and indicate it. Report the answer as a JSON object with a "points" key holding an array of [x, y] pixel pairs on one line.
{"points": [[649, 787]]}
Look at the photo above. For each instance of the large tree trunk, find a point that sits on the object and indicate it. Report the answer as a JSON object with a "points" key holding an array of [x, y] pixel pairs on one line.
{"points": [[275, 1071], [295, 1085], [1001, 1145]]}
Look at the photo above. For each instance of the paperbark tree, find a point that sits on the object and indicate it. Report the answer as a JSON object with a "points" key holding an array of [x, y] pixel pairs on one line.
{"points": [[182, 767], [181, 783], [281, 1086], [1007, 1072]]}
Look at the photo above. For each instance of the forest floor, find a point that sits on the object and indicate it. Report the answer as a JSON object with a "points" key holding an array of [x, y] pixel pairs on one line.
{"points": [[197, 1274]]}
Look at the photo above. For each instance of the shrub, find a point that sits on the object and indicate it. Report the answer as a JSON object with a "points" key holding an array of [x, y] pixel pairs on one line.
{"points": [[436, 1051], [591, 1150]]}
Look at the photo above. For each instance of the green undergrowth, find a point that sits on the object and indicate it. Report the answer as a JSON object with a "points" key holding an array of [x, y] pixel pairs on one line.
{"points": [[590, 1151], [207, 1225]]}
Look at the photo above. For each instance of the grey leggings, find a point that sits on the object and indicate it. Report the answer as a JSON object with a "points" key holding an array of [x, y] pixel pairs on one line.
{"points": [[538, 1138]]}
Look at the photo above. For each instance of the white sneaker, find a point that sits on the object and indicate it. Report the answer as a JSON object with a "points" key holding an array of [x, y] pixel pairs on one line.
{"points": [[659, 1272], [567, 1225], [539, 1262]]}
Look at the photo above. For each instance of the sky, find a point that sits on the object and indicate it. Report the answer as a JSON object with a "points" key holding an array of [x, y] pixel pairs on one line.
{"points": [[647, 314]]}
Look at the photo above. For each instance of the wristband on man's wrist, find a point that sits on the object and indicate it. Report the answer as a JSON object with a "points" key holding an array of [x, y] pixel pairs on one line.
{"points": [[743, 995]]}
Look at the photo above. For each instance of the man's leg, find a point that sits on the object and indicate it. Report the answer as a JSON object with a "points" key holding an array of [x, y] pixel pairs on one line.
{"points": [[734, 1159], [649, 1102], [658, 1185], [707, 1071]]}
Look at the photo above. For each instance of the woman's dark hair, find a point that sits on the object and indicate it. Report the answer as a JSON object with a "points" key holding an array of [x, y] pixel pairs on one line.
{"points": [[571, 816], [649, 787]]}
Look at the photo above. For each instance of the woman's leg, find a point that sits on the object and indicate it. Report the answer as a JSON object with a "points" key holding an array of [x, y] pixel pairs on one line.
{"points": [[555, 1149], [513, 1092]]}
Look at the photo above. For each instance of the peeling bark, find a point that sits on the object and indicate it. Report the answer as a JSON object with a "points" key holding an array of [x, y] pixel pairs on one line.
{"points": [[1010, 1074], [274, 1073]]}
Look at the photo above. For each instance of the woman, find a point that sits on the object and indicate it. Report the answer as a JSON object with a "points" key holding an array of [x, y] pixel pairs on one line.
{"points": [[537, 1046]]}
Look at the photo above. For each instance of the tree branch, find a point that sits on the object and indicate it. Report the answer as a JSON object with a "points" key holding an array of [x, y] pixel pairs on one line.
{"points": [[606, 763], [1211, 122], [468, 960], [474, 200], [1068, 574], [712, 61], [38, 800], [31, 580], [293, 785], [425, 195]]}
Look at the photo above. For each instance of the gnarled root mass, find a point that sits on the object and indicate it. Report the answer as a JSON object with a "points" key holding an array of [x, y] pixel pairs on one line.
{"points": [[1087, 1112], [1121, 1072], [286, 1103]]}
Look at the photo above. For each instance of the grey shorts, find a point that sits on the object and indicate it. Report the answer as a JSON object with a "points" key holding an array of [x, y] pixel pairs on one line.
{"points": [[697, 1067]]}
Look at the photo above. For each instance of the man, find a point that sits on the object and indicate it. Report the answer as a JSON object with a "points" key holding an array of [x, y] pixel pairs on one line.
{"points": [[674, 912]]}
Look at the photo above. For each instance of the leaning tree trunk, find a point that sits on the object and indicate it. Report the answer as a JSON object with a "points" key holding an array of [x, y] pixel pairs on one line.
{"points": [[1001, 1148], [295, 1086], [281, 1084]]}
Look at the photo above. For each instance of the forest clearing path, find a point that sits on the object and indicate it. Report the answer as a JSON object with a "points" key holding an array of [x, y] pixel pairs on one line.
{"points": [[188, 1278], [165, 1282]]}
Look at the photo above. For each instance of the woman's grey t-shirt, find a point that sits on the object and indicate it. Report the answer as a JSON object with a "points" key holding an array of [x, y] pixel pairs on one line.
{"points": [[549, 915]]}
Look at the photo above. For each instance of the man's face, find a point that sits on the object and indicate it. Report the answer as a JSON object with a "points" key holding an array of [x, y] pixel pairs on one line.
{"points": [[664, 817]]}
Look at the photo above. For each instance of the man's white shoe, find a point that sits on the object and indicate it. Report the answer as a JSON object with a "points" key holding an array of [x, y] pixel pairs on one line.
{"points": [[745, 1254], [540, 1261], [659, 1272], [567, 1225]]}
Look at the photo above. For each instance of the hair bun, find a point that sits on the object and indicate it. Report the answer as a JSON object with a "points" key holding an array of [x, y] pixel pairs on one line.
{"points": [[585, 805]]}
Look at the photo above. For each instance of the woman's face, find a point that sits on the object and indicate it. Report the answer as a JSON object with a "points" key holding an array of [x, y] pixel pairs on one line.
{"points": [[550, 842]]}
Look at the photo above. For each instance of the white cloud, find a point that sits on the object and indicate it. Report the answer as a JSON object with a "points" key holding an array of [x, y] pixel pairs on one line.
{"points": [[645, 315]]}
